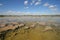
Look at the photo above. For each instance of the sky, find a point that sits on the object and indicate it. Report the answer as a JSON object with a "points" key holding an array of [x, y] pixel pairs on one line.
{"points": [[29, 7]]}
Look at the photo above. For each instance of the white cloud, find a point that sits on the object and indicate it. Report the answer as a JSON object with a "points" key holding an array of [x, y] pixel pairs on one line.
{"points": [[50, 6], [46, 4], [37, 3], [53, 7], [32, 2], [25, 2], [1, 4], [10, 12]]}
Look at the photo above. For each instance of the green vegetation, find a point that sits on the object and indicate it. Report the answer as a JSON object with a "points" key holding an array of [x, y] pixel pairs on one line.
{"points": [[1, 15], [30, 15]]}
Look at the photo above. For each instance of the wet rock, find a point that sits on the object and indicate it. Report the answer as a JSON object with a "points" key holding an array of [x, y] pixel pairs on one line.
{"points": [[10, 26], [7, 24], [18, 26], [4, 25]]}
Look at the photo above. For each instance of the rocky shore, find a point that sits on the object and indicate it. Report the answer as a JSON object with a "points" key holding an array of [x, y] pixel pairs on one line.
{"points": [[29, 31]]}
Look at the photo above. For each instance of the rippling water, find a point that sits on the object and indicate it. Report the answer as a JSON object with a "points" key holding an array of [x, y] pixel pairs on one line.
{"points": [[24, 19]]}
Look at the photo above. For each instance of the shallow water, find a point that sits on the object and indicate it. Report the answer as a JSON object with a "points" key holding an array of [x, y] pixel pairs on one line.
{"points": [[24, 19]]}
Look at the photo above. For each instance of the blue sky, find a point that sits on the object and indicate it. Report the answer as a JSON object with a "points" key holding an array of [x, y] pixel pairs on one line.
{"points": [[29, 7]]}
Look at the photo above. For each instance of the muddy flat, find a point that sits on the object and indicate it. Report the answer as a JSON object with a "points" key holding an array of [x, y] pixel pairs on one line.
{"points": [[30, 31]]}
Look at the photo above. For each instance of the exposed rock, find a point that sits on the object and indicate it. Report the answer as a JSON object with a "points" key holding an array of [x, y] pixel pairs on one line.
{"points": [[56, 25], [33, 25], [14, 23], [21, 25], [47, 28], [41, 23], [26, 27], [11, 27]]}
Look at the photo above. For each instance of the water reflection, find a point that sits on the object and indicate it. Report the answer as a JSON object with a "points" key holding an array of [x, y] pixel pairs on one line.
{"points": [[24, 19]]}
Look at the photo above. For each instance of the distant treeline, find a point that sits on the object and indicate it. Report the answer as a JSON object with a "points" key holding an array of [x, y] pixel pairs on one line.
{"points": [[30, 15], [2, 15]]}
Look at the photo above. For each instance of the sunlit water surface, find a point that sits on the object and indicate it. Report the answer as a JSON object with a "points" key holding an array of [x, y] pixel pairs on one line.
{"points": [[24, 19]]}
